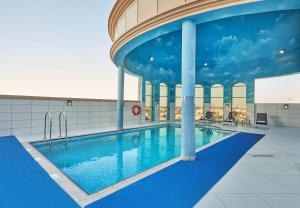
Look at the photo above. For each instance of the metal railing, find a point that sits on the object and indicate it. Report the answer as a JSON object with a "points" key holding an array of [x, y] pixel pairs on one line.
{"points": [[48, 115], [63, 115]]}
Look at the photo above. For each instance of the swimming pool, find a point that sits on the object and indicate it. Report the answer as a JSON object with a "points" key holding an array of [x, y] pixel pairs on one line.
{"points": [[95, 162]]}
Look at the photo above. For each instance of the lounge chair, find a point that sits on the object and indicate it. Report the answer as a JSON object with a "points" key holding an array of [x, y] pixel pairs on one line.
{"points": [[262, 120], [230, 119], [208, 117]]}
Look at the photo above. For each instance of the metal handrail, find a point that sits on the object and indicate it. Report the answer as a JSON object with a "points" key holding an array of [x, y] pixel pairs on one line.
{"points": [[48, 114], [66, 124]]}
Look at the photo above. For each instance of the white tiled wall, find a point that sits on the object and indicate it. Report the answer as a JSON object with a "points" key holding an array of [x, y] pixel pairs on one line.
{"points": [[26, 116], [278, 116]]}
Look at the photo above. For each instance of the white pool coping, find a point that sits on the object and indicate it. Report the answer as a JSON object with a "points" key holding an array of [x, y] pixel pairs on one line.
{"points": [[80, 196]]}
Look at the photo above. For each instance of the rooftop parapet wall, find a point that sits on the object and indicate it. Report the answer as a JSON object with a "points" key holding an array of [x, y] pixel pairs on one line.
{"points": [[24, 115]]}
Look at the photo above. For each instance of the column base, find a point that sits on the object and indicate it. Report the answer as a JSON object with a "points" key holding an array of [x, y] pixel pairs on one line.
{"points": [[184, 158]]}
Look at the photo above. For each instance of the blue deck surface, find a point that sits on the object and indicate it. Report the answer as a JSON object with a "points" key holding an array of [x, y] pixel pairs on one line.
{"points": [[23, 183], [184, 183]]}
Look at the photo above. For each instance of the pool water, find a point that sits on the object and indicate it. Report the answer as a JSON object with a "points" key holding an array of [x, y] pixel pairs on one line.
{"points": [[95, 162]]}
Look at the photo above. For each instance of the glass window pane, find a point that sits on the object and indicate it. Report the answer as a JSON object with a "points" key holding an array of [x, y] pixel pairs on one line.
{"points": [[178, 91], [163, 113], [198, 102], [239, 90], [217, 102], [163, 101], [148, 88], [177, 113], [163, 90], [148, 113], [178, 102], [148, 101], [238, 103], [217, 91], [199, 91]]}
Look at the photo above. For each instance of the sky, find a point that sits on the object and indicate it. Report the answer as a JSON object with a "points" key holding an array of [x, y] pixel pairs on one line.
{"points": [[58, 48], [283, 89]]}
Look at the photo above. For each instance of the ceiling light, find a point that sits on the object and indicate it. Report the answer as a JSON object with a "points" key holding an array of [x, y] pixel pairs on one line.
{"points": [[151, 58], [205, 64], [282, 51]]}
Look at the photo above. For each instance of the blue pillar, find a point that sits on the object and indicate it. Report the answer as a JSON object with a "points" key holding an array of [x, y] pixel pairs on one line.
{"points": [[171, 103], [227, 99], [207, 93], [156, 97], [250, 88], [207, 98], [142, 90], [143, 97], [227, 93], [188, 90], [120, 102]]}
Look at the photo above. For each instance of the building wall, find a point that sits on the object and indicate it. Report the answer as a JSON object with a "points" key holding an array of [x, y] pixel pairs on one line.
{"points": [[26, 116], [278, 116]]}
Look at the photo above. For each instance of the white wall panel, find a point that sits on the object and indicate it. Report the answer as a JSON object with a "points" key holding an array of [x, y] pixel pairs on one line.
{"points": [[131, 15], [26, 117], [146, 9], [165, 5]]}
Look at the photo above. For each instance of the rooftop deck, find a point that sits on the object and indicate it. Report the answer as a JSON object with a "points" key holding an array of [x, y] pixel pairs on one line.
{"points": [[268, 175]]}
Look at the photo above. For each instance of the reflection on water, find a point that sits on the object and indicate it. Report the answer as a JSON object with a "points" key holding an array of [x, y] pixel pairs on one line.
{"points": [[95, 162]]}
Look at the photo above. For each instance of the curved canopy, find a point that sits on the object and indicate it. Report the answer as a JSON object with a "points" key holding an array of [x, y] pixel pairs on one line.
{"points": [[236, 44]]}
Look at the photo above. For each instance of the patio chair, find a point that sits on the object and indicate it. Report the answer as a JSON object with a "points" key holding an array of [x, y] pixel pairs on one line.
{"points": [[207, 117], [262, 119], [230, 119]]}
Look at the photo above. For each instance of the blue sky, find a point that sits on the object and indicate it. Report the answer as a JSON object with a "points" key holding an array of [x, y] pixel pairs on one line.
{"points": [[58, 48]]}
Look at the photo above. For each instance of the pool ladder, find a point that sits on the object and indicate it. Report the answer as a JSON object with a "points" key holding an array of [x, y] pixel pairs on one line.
{"points": [[48, 116], [64, 115]]}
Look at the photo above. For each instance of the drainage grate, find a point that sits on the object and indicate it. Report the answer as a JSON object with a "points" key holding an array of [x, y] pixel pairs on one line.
{"points": [[261, 155]]}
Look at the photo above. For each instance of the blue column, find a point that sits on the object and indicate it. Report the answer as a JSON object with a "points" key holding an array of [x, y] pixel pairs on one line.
{"points": [[120, 102], [188, 90], [171, 103], [207, 98], [156, 97], [207, 94], [227, 93], [142, 89], [250, 88], [143, 97]]}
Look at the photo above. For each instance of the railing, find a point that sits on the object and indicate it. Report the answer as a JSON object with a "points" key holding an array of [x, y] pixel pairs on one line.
{"points": [[48, 115], [63, 114]]}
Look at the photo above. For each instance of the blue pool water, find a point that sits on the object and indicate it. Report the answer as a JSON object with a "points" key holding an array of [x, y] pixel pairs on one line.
{"points": [[95, 162]]}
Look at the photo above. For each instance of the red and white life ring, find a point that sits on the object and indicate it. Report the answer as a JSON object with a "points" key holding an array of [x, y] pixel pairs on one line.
{"points": [[136, 110]]}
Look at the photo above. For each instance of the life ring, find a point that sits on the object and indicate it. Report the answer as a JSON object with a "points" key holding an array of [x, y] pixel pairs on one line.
{"points": [[136, 110]]}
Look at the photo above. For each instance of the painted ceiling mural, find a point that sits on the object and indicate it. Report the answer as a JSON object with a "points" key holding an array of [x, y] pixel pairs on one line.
{"points": [[231, 50], [232, 46]]}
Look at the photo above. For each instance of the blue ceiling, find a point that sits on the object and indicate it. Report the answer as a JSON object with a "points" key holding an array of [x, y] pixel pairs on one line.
{"points": [[231, 49]]}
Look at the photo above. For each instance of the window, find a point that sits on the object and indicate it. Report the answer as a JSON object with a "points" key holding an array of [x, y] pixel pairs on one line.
{"points": [[148, 101], [199, 92], [163, 102], [239, 99], [217, 102], [178, 101]]}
